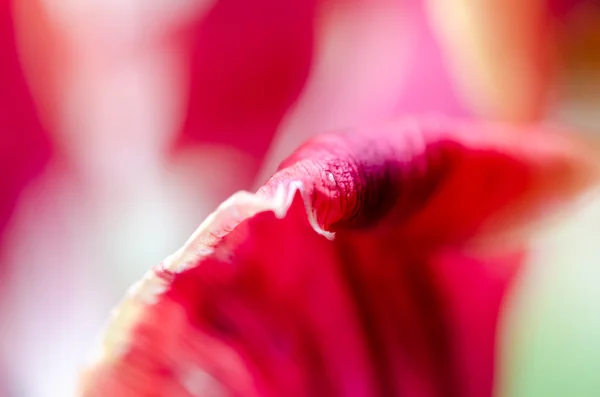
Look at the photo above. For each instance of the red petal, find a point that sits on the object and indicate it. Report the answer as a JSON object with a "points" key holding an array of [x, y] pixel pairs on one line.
{"points": [[250, 62], [24, 145], [395, 305]]}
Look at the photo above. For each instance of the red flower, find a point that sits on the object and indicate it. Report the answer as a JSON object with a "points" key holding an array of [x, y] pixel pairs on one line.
{"points": [[373, 263]]}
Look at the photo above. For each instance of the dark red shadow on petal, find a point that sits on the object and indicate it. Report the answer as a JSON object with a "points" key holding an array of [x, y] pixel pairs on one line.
{"points": [[250, 62], [429, 84], [24, 145], [421, 180]]}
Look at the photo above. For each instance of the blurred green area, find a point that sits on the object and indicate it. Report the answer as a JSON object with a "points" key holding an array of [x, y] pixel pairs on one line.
{"points": [[551, 332]]}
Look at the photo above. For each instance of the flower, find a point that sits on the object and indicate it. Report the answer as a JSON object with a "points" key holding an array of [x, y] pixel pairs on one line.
{"points": [[374, 262]]}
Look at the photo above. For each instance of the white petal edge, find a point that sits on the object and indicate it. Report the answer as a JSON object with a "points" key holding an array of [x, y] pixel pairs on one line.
{"points": [[114, 342]]}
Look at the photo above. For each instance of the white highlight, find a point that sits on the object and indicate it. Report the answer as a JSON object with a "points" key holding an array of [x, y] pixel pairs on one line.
{"points": [[199, 383]]}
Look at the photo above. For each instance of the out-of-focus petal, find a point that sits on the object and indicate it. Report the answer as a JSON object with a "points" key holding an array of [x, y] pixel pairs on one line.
{"points": [[506, 55], [502, 53], [350, 273], [249, 64], [579, 80], [24, 145]]}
